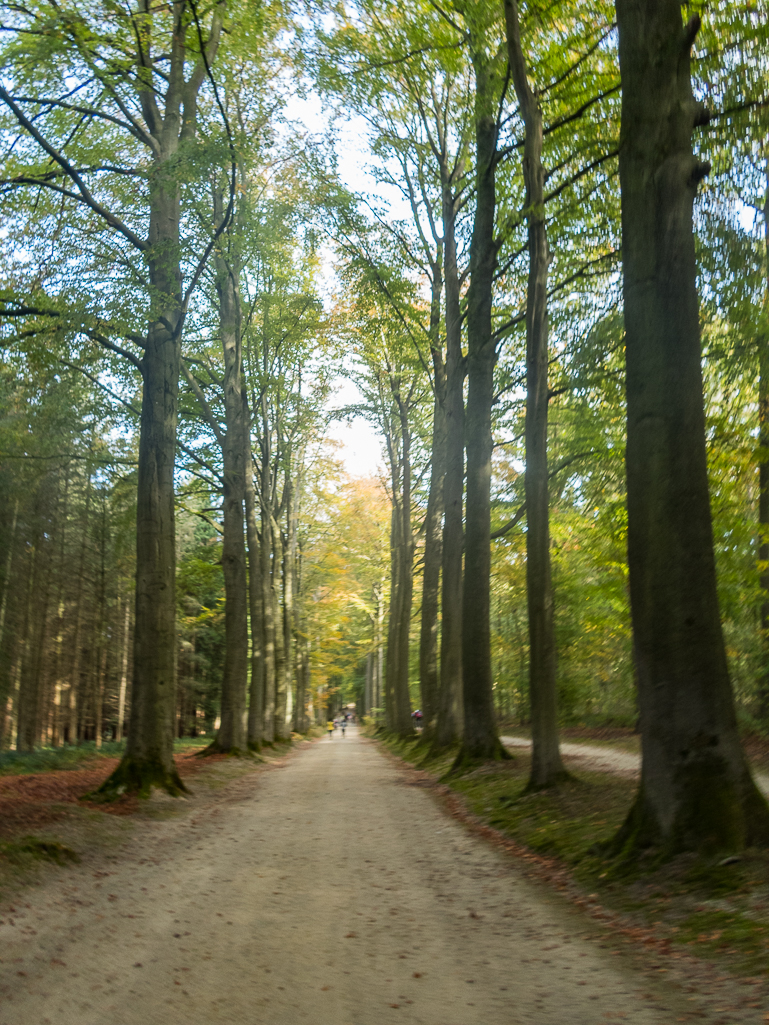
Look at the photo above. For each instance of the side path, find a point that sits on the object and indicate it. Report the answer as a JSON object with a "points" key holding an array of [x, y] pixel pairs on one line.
{"points": [[609, 759], [328, 891]]}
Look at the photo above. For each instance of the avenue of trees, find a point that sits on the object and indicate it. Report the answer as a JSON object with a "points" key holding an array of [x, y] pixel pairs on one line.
{"points": [[552, 294]]}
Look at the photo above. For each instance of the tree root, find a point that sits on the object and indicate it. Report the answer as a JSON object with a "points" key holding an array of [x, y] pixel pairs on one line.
{"points": [[215, 748], [469, 758], [553, 781], [716, 817], [138, 776]]}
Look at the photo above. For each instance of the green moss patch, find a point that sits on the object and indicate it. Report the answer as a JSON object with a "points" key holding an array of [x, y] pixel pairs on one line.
{"points": [[742, 940], [30, 848], [566, 822]]}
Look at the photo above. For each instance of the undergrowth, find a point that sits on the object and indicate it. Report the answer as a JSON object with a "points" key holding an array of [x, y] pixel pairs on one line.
{"points": [[73, 756]]}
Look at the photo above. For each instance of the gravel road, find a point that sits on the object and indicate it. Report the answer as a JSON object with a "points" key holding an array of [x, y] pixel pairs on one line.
{"points": [[608, 759], [329, 890]]}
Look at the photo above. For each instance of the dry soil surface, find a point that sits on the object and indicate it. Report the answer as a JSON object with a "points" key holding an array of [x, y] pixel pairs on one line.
{"points": [[328, 890], [608, 759]]}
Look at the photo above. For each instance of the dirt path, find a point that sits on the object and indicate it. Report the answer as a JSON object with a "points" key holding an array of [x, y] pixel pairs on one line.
{"points": [[328, 890], [608, 759]]}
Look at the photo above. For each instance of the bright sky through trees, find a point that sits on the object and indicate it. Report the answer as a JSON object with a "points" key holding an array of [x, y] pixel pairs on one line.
{"points": [[361, 445]]}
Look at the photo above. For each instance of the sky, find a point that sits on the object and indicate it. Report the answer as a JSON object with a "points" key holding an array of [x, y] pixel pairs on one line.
{"points": [[361, 451], [362, 446]]}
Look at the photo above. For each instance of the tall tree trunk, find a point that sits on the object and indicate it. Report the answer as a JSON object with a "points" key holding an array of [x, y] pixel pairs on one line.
{"points": [[269, 631], [33, 690], [696, 791], [301, 663], [255, 601], [404, 724], [7, 567], [8, 633], [397, 700], [379, 677], [394, 619], [450, 705], [480, 740], [26, 704], [231, 737], [123, 673], [307, 683], [56, 674], [368, 681], [431, 574], [100, 686], [148, 760], [546, 765], [296, 626], [763, 470], [278, 612], [289, 565], [100, 643], [267, 557], [73, 689]]}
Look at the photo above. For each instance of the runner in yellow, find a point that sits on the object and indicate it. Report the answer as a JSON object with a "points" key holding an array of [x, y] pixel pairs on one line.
{"points": [[330, 728]]}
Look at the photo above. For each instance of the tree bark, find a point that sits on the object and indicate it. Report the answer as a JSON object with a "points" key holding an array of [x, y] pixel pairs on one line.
{"points": [[480, 739], [450, 711], [232, 732], [148, 759], [368, 681], [27, 702], [696, 791], [255, 601], [73, 690], [294, 624], [404, 723], [267, 558], [7, 633], [763, 472], [394, 619], [546, 766], [396, 697], [56, 671], [289, 566], [431, 574], [378, 679], [123, 674], [282, 731]]}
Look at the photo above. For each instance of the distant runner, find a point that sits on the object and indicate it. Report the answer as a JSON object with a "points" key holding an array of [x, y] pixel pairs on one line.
{"points": [[330, 728]]}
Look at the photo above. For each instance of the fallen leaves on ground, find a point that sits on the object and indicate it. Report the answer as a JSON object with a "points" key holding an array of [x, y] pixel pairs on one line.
{"points": [[28, 802]]}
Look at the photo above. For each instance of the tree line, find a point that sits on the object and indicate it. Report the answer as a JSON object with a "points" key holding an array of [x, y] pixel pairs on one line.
{"points": [[548, 179], [537, 183]]}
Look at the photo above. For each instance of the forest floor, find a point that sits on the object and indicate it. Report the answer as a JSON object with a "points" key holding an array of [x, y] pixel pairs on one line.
{"points": [[335, 885]]}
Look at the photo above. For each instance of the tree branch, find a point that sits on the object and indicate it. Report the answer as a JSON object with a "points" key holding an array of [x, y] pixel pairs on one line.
{"points": [[100, 384], [203, 403], [106, 215]]}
